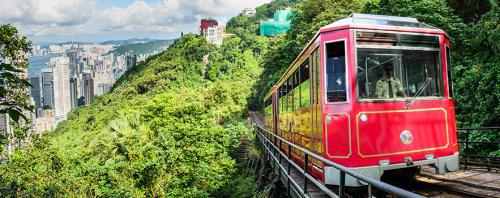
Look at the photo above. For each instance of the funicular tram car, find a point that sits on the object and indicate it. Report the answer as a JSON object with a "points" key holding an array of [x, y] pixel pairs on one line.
{"points": [[372, 93]]}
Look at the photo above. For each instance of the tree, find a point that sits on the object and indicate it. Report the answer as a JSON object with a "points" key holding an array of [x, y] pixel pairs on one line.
{"points": [[433, 12], [14, 48], [14, 97]]}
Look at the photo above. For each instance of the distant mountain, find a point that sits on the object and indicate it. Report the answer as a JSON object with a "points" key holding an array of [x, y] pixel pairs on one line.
{"points": [[144, 48], [75, 42], [110, 42], [128, 41]]}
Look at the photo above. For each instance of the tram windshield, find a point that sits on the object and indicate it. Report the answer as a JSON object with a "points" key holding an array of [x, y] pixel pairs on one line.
{"points": [[395, 66]]}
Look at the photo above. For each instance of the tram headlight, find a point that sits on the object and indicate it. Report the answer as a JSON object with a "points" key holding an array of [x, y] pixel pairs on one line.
{"points": [[363, 118], [406, 137]]}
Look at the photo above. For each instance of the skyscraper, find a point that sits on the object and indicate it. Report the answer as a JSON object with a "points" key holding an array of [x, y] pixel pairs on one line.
{"points": [[75, 71], [35, 90], [73, 87], [47, 88], [130, 60], [62, 94], [73, 61], [102, 88], [88, 87]]}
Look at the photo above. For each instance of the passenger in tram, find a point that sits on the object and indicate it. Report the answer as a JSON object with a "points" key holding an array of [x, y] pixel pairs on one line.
{"points": [[389, 86]]}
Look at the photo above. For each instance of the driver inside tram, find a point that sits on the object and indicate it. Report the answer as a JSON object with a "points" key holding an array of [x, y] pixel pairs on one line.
{"points": [[389, 86]]}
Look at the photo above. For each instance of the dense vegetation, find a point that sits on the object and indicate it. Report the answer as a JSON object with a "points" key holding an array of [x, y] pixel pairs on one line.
{"points": [[171, 125], [143, 48]]}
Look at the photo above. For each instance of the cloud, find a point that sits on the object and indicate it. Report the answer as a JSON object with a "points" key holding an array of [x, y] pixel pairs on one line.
{"points": [[38, 18], [40, 12]]}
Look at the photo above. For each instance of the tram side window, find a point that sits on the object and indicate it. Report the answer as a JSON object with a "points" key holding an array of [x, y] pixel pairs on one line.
{"points": [[283, 98], [280, 99], [336, 88], [296, 90], [450, 80], [305, 87]]}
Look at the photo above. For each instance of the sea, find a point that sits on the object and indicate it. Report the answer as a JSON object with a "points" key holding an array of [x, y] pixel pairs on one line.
{"points": [[37, 63]]}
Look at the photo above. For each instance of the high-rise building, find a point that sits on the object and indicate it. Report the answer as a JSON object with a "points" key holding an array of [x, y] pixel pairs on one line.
{"points": [[102, 88], [73, 88], [88, 87], [130, 60], [47, 88], [35, 90], [206, 23], [73, 61], [62, 94]]}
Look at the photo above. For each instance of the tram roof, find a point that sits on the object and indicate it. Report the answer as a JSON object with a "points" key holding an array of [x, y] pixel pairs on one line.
{"points": [[378, 20]]}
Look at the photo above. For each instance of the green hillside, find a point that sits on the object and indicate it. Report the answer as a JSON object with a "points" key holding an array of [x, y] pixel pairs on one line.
{"points": [[170, 127], [164, 130]]}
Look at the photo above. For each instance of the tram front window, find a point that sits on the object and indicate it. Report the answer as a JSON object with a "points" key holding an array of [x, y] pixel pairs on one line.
{"points": [[390, 66]]}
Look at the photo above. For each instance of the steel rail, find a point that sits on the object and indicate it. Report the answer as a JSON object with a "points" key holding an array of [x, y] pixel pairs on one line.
{"points": [[343, 170], [460, 182], [451, 190]]}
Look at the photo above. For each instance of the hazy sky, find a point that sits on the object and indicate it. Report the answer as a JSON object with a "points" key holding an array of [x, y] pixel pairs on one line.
{"points": [[99, 20]]}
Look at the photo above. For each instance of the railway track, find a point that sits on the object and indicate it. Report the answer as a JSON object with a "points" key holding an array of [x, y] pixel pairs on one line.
{"points": [[459, 184], [446, 191], [431, 189]]}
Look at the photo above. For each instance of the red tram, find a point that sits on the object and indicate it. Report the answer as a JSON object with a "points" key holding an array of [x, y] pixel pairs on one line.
{"points": [[372, 93]]}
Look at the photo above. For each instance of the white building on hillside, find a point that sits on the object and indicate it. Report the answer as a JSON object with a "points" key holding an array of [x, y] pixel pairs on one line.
{"points": [[215, 34], [248, 12]]}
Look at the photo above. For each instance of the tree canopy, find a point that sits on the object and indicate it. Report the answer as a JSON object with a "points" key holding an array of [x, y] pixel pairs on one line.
{"points": [[14, 49]]}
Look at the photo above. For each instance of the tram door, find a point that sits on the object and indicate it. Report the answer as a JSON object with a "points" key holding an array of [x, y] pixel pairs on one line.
{"points": [[336, 97]]}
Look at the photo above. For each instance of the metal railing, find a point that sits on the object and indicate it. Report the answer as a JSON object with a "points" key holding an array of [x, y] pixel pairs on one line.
{"points": [[487, 161], [277, 155]]}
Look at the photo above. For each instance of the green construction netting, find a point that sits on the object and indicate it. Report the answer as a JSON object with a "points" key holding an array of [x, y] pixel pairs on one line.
{"points": [[279, 25]]}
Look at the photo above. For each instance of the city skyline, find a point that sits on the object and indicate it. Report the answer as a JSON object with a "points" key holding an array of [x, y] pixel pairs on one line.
{"points": [[59, 21]]}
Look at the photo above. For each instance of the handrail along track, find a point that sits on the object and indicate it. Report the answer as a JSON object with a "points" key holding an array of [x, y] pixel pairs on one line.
{"points": [[488, 161], [274, 153]]}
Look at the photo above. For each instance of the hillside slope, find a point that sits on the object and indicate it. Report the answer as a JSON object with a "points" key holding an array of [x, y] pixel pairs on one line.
{"points": [[164, 130]]}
